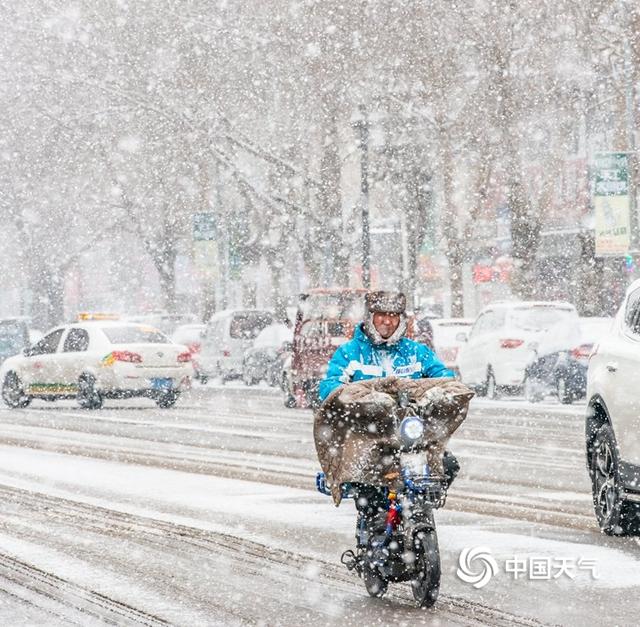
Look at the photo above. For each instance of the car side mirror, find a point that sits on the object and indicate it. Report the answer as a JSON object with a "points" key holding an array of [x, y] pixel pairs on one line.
{"points": [[461, 337]]}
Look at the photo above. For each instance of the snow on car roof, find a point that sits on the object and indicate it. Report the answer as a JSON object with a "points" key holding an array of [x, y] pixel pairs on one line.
{"points": [[92, 324], [228, 312], [530, 303], [462, 322]]}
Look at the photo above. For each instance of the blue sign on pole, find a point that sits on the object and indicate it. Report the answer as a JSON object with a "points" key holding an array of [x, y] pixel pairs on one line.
{"points": [[204, 226]]}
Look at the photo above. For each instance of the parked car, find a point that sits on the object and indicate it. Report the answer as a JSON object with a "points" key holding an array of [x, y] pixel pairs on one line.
{"points": [[449, 334], [191, 336], [560, 361], [94, 360], [14, 336], [264, 360], [229, 335], [325, 319], [502, 343], [613, 421]]}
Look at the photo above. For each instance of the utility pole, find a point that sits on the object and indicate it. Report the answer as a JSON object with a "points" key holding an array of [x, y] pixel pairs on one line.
{"points": [[361, 125], [632, 160]]}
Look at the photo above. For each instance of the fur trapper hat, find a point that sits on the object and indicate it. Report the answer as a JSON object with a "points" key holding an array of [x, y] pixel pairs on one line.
{"points": [[384, 302]]}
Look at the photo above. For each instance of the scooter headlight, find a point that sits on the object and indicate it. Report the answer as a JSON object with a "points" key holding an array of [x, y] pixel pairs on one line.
{"points": [[411, 429]]}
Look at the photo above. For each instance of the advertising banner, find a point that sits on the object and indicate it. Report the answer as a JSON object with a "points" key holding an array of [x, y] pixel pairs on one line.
{"points": [[612, 204]]}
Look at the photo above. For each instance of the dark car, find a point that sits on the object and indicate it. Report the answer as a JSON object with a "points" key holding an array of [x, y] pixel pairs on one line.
{"points": [[14, 337], [264, 360], [423, 331], [561, 360]]}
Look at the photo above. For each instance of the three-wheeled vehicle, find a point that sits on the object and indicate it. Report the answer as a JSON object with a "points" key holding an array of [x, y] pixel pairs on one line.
{"points": [[325, 319]]}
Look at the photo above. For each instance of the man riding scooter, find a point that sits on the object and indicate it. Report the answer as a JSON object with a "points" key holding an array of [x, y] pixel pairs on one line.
{"points": [[379, 348]]}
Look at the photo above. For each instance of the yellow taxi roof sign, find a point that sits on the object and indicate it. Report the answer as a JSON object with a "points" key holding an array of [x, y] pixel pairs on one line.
{"points": [[84, 316]]}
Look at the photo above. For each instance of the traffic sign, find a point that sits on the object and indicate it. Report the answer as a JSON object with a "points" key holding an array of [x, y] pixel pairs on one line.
{"points": [[204, 226]]}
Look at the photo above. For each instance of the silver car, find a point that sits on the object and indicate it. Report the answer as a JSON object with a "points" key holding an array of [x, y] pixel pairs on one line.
{"points": [[229, 334]]}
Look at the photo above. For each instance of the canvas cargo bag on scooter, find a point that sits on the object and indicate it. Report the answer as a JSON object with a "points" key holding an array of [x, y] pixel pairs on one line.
{"points": [[355, 428]]}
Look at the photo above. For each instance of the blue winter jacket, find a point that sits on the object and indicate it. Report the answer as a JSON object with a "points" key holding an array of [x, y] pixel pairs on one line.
{"points": [[359, 359]]}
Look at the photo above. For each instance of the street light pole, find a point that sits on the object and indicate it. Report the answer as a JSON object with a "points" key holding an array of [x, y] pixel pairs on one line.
{"points": [[362, 125], [632, 161]]}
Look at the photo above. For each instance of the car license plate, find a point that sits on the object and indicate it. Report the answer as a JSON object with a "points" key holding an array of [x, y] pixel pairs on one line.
{"points": [[161, 384]]}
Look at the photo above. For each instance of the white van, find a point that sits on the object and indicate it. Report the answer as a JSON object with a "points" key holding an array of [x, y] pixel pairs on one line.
{"points": [[228, 335], [503, 340]]}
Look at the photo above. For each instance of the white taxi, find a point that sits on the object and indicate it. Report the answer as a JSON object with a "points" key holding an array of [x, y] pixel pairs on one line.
{"points": [[93, 360]]}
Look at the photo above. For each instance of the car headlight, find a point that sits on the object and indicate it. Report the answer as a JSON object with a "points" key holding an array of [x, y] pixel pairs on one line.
{"points": [[411, 430]]}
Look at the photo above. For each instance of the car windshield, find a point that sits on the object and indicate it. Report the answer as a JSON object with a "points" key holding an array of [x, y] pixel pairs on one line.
{"points": [[444, 334], [341, 306], [273, 336], [592, 330], [246, 326], [135, 335], [539, 317]]}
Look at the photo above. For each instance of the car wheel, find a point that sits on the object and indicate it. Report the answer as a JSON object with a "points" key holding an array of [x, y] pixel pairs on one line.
{"points": [[491, 386], [167, 400], [204, 379], [616, 516], [531, 390], [88, 397], [311, 394], [564, 393], [13, 393], [290, 400], [247, 378], [221, 374]]}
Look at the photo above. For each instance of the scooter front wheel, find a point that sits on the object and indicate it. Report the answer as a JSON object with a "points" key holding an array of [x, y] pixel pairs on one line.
{"points": [[375, 584], [426, 585]]}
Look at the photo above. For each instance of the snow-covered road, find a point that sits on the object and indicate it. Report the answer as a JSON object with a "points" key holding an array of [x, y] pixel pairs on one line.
{"points": [[207, 514]]}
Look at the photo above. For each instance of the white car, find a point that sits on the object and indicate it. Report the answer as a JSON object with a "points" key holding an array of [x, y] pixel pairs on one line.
{"points": [[449, 334], [191, 336], [229, 334], [503, 340], [91, 361], [613, 421]]}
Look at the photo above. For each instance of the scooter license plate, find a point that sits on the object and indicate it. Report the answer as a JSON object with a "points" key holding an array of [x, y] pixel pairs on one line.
{"points": [[161, 384], [414, 463]]}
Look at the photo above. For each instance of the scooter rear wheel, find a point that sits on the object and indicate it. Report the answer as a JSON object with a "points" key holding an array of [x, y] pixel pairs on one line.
{"points": [[426, 585]]}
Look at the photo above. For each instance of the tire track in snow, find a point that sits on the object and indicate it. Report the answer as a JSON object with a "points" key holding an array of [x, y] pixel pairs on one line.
{"points": [[57, 596], [220, 446], [275, 470], [462, 611]]}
